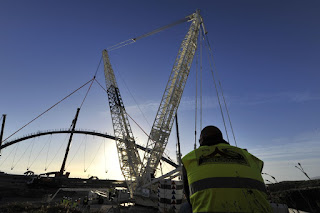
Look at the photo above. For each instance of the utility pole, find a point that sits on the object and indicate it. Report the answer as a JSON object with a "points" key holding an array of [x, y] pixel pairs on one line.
{"points": [[73, 126], [2, 129]]}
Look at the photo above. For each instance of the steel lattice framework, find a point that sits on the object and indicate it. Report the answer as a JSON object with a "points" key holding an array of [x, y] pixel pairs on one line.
{"points": [[163, 122], [129, 159], [138, 173]]}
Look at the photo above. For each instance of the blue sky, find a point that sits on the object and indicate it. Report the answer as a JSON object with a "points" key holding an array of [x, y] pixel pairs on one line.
{"points": [[266, 54]]}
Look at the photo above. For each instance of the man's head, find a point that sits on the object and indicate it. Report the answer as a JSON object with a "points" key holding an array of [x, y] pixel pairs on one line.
{"points": [[211, 135]]}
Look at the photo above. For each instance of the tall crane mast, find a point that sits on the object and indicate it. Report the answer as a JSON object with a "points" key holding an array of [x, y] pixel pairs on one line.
{"points": [[164, 119], [138, 173], [129, 158]]}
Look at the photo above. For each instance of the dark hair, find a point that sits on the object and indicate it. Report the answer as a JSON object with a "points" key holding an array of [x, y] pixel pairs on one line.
{"points": [[211, 135]]}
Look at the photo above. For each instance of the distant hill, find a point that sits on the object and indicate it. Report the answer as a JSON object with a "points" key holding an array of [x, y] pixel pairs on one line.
{"points": [[297, 194], [316, 178]]}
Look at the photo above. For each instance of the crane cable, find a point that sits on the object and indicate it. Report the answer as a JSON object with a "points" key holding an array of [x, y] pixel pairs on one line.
{"points": [[134, 99], [201, 81], [48, 109], [93, 158], [133, 120], [87, 92], [218, 96], [91, 80], [65, 138], [45, 166], [30, 153], [126, 112], [130, 95], [203, 38], [7, 157], [37, 156], [129, 116], [196, 105], [94, 77], [84, 139], [133, 40], [224, 100], [14, 156], [121, 44], [12, 167], [105, 157], [211, 55], [11, 152], [84, 156]]}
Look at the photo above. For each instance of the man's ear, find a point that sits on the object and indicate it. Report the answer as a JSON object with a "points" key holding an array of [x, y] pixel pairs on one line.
{"points": [[200, 140]]}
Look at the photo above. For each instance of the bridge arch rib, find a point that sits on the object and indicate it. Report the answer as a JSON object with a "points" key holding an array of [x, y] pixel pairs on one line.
{"points": [[85, 132]]}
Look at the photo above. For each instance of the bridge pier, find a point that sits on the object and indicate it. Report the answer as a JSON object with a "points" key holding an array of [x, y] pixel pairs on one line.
{"points": [[2, 129]]}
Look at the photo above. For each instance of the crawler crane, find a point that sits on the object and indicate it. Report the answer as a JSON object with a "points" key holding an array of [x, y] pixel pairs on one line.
{"points": [[139, 174]]}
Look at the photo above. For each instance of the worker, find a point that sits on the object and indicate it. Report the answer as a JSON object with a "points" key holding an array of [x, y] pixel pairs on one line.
{"points": [[64, 201], [219, 177], [85, 201]]}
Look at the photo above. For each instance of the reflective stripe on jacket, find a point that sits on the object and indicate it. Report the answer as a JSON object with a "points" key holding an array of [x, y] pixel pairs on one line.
{"points": [[224, 178]]}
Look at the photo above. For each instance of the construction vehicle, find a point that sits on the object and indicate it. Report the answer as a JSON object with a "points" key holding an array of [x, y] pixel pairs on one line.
{"points": [[139, 174]]}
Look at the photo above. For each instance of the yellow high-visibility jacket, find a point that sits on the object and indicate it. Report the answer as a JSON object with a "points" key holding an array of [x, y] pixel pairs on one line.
{"points": [[224, 178]]}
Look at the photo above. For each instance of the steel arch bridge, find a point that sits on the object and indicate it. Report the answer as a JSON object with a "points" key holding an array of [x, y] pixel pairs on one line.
{"points": [[85, 132]]}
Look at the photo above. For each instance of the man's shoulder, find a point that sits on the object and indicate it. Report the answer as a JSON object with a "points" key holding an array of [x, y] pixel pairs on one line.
{"points": [[191, 153], [230, 146], [238, 148]]}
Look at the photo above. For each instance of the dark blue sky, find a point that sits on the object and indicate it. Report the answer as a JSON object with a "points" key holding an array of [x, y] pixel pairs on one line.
{"points": [[266, 54]]}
